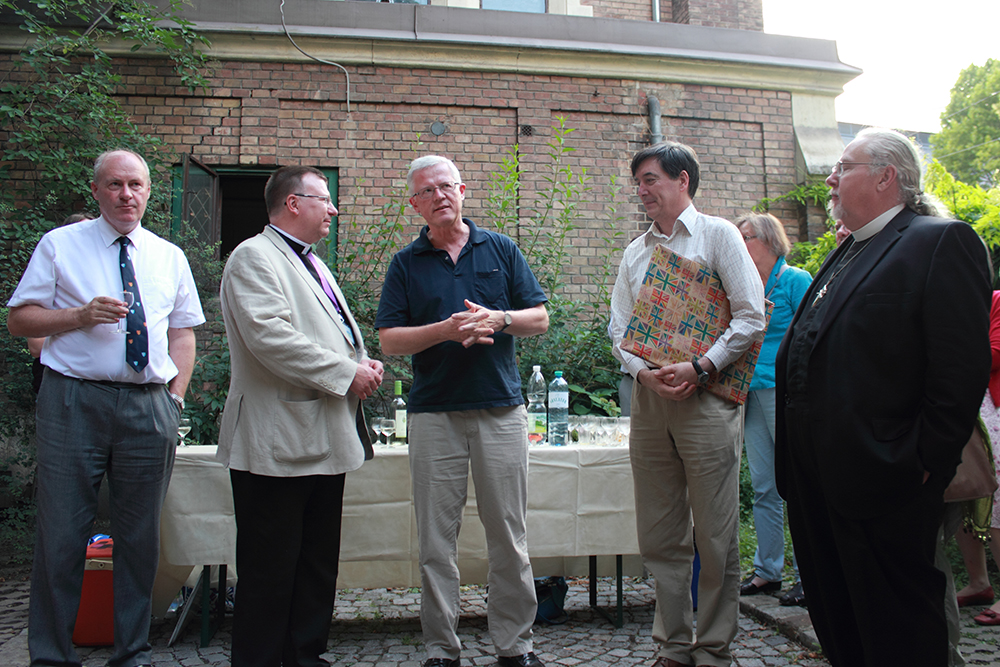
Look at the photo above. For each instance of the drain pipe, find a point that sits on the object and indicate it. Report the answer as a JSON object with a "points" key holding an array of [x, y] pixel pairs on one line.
{"points": [[656, 11], [655, 132]]}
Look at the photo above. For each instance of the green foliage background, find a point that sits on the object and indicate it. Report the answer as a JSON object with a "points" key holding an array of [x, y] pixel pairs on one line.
{"points": [[577, 341], [974, 204], [968, 144]]}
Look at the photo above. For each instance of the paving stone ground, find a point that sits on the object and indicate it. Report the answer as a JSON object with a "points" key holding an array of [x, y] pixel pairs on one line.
{"points": [[381, 628]]}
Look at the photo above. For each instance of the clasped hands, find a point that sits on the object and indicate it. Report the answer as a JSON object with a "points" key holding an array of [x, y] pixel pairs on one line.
{"points": [[675, 382], [367, 378], [472, 326]]}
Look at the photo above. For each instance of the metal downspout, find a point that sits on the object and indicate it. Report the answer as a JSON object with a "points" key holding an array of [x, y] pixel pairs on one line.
{"points": [[655, 132]]}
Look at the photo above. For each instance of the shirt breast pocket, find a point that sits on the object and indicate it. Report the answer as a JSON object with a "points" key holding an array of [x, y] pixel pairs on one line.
{"points": [[491, 289], [157, 295]]}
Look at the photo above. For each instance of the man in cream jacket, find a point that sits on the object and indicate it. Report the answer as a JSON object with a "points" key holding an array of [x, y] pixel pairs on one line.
{"points": [[292, 425]]}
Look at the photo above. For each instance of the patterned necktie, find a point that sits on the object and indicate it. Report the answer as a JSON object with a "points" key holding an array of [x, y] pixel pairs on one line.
{"points": [[136, 340]]}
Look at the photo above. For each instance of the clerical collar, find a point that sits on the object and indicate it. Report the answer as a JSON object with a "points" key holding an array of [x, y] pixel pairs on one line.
{"points": [[878, 224], [301, 247]]}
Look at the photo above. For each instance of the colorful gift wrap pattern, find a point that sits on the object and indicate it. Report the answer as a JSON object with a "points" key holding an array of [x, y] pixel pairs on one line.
{"points": [[680, 312]]}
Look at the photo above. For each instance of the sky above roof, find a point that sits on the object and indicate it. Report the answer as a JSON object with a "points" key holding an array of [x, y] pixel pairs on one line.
{"points": [[911, 51]]}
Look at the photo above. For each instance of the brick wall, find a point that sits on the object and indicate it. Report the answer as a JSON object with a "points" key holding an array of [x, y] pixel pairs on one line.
{"points": [[629, 10], [736, 14], [294, 113]]}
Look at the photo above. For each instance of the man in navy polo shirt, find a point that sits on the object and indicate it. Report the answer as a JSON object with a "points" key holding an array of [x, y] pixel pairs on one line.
{"points": [[454, 299]]}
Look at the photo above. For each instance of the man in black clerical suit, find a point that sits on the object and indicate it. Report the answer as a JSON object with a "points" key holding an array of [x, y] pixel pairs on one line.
{"points": [[879, 379]]}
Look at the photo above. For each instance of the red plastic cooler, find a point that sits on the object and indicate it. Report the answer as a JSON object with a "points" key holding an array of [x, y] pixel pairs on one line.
{"points": [[95, 620]]}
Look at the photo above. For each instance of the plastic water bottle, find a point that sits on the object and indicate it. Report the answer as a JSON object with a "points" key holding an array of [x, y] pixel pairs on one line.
{"points": [[537, 417], [399, 405], [558, 411]]}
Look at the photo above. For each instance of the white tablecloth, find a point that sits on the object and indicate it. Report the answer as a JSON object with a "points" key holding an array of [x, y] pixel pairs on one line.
{"points": [[197, 526], [580, 503]]}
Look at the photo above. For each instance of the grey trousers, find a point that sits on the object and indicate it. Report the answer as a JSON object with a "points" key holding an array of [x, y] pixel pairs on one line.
{"points": [[85, 429], [442, 447]]}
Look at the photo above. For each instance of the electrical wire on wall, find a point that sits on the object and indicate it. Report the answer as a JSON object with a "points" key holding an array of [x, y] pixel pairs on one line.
{"points": [[281, 8]]}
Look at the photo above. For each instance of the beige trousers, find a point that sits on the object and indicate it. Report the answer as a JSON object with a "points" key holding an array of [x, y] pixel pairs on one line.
{"points": [[685, 462], [442, 447]]}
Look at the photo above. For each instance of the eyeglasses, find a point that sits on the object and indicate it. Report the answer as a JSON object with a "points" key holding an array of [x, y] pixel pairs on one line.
{"points": [[323, 199], [748, 238], [839, 167], [445, 188]]}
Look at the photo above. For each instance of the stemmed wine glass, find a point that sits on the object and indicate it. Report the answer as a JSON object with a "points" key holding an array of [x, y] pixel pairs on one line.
{"points": [[608, 429], [388, 429], [376, 426], [183, 428], [129, 300], [624, 429]]}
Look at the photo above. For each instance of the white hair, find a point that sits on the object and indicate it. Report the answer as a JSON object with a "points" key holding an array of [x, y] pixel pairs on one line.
{"points": [[429, 161], [891, 147]]}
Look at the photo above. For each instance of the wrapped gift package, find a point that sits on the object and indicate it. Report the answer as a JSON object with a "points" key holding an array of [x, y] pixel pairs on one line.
{"points": [[680, 312]]}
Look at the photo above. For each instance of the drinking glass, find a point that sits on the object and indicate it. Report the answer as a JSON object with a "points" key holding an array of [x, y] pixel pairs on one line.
{"points": [[591, 427], [624, 427], [183, 428], [573, 429], [596, 431], [388, 429], [582, 430], [129, 300], [608, 428], [376, 425]]}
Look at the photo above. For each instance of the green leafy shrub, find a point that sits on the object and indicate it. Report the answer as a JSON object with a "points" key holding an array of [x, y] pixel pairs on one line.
{"points": [[577, 341], [974, 204], [807, 255]]}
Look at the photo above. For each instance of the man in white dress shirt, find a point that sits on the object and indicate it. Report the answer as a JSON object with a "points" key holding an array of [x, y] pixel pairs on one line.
{"points": [[110, 403], [685, 442]]}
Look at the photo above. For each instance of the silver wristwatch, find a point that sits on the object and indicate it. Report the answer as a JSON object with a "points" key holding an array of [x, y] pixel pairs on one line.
{"points": [[702, 374]]}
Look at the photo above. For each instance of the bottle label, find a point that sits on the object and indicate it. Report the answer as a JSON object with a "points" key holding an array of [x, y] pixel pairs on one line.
{"points": [[401, 425], [537, 423], [558, 399]]}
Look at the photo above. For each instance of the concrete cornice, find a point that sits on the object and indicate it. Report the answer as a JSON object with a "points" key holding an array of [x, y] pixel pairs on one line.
{"points": [[668, 65]]}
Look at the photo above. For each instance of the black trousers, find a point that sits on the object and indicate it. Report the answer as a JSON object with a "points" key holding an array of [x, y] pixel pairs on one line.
{"points": [[287, 552], [875, 597]]}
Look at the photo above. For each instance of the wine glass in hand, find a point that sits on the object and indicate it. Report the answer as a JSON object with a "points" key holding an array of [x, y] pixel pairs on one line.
{"points": [[129, 300]]}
